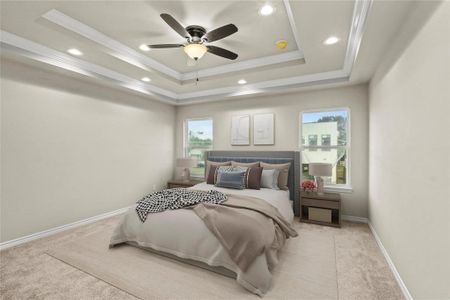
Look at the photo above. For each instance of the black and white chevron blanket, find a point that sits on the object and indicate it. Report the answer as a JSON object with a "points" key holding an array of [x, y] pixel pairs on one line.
{"points": [[175, 199]]}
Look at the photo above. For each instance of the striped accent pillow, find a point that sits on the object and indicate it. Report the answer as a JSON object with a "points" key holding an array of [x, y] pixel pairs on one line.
{"points": [[230, 178]]}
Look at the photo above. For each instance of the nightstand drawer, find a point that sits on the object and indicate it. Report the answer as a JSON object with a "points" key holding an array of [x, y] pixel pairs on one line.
{"points": [[319, 214], [320, 203]]}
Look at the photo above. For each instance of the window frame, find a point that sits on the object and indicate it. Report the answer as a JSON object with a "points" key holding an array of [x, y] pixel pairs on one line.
{"points": [[185, 135], [332, 187]]}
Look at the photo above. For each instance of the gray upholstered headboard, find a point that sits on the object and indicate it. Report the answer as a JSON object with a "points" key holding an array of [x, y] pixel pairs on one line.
{"points": [[273, 157]]}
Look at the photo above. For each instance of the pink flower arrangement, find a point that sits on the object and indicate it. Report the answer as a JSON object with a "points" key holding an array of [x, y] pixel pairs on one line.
{"points": [[308, 185]]}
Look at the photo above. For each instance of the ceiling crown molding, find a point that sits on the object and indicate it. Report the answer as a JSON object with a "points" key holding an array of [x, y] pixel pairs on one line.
{"points": [[359, 20], [291, 19], [16, 44], [35, 51]]}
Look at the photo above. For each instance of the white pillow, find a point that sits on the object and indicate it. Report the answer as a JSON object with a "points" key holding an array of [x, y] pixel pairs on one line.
{"points": [[269, 179]]}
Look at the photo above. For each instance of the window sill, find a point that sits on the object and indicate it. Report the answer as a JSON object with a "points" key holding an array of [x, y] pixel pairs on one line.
{"points": [[339, 189]]}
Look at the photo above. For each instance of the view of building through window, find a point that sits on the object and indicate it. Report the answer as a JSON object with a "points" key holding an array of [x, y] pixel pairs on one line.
{"points": [[198, 140], [325, 139], [312, 139]]}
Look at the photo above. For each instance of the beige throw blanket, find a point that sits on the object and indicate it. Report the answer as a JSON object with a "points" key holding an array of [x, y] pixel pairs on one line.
{"points": [[246, 227]]}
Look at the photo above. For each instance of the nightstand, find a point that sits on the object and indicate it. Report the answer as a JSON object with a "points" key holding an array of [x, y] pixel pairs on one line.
{"points": [[181, 183], [321, 209]]}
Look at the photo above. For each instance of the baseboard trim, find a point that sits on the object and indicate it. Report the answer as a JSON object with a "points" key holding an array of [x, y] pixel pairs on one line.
{"points": [[51, 231], [391, 264], [355, 219]]}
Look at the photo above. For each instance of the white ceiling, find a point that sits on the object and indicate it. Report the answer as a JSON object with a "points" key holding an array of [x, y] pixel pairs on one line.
{"points": [[109, 34]]}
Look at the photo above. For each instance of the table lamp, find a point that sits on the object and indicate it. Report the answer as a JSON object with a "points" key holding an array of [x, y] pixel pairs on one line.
{"points": [[318, 170], [186, 163]]}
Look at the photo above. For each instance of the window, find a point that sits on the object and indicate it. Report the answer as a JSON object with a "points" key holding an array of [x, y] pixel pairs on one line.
{"points": [[198, 139], [326, 141], [312, 141], [334, 148]]}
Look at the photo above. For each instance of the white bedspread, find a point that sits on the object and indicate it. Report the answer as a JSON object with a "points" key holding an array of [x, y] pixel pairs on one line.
{"points": [[182, 233]]}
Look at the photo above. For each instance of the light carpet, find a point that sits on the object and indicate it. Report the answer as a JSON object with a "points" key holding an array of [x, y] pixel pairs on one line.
{"points": [[307, 270], [28, 272]]}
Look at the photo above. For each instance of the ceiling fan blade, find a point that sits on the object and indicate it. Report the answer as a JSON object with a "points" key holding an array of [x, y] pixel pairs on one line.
{"points": [[222, 52], [220, 33], [175, 25], [161, 46]]}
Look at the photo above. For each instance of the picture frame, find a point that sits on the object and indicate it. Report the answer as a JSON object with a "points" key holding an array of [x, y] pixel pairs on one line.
{"points": [[240, 130], [263, 129]]}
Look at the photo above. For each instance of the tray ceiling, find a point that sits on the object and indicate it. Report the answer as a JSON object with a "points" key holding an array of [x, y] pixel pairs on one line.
{"points": [[109, 34]]}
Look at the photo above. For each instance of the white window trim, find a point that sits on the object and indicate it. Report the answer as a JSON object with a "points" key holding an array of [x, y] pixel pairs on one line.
{"points": [[185, 134], [339, 188]]}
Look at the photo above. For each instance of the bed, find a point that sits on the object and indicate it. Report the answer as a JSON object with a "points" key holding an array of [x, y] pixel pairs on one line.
{"points": [[181, 234]]}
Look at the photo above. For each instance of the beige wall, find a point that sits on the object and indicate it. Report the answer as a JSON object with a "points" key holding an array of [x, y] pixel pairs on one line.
{"points": [[72, 150], [287, 109], [409, 193]]}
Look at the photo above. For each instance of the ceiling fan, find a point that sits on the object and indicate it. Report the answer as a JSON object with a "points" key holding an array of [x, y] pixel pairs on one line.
{"points": [[196, 37]]}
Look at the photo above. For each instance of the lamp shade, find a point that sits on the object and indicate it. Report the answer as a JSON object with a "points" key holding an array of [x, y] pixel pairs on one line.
{"points": [[187, 162], [320, 169]]}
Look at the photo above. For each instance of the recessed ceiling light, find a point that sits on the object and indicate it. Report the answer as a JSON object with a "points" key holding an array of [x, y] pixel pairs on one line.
{"points": [[331, 40], [242, 81], [146, 79], [74, 51], [144, 47], [266, 10]]}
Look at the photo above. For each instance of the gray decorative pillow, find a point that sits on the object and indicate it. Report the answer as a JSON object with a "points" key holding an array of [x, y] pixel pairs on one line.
{"points": [[283, 173], [269, 179], [230, 178]]}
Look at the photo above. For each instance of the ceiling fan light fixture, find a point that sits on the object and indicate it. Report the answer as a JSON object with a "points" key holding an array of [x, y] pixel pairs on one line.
{"points": [[196, 36], [195, 51], [146, 79], [242, 81]]}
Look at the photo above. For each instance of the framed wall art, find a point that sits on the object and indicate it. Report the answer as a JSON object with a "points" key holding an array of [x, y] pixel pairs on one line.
{"points": [[240, 130], [263, 129]]}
